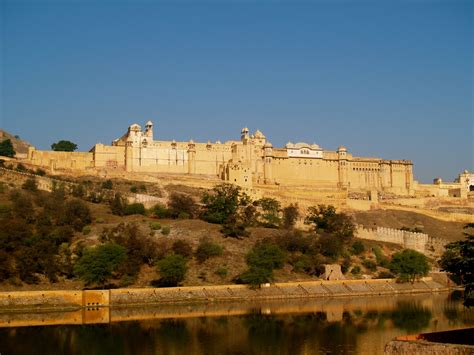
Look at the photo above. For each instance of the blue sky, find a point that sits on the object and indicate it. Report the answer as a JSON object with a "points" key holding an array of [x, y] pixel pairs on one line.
{"points": [[392, 79]]}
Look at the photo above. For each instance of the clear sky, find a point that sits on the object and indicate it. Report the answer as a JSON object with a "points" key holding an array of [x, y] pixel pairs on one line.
{"points": [[392, 79]]}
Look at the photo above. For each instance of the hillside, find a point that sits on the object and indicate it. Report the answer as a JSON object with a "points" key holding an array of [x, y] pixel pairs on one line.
{"points": [[397, 219], [20, 146]]}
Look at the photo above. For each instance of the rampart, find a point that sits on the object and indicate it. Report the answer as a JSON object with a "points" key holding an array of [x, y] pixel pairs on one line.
{"points": [[420, 242]]}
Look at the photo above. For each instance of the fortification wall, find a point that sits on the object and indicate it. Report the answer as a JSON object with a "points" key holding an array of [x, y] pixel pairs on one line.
{"points": [[420, 242], [61, 160]]}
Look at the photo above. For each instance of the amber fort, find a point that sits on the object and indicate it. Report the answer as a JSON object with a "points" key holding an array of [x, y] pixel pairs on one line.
{"points": [[251, 161]]}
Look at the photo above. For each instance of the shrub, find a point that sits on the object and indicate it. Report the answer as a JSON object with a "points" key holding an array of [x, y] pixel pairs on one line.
{"points": [[370, 265], [40, 172], [409, 265], [255, 276], [381, 259], [6, 148], [184, 215], [118, 205], [270, 216], [221, 203], [86, 230], [266, 255], [108, 184], [290, 215], [346, 265], [294, 241], [64, 146], [99, 220], [155, 226], [358, 247], [160, 211], [221, 272], [183, 248], [234, 229], [355, 270], [302, 263], [134, 189], [30, 184], [326, 219], [330, 246], [98, 264], [207, 249], [134, 208], [385, 275], [77, 214], [165, 230], [181, 204], [172, 270]]}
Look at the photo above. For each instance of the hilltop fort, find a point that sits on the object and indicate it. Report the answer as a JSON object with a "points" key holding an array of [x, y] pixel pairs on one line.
{"points": [[250, 162]]}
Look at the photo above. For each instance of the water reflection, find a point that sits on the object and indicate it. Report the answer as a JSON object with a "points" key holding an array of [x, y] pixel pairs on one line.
{"points": [[339, 326]]}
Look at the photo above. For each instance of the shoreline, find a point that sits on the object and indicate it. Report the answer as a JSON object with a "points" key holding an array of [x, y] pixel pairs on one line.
{"points": [[18, 301]]}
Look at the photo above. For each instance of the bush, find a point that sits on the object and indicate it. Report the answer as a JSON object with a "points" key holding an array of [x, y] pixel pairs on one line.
{"points": [[221, 203], [40, 172], [134, 208], [355, 270], [330, 246], [324, 218], [181, 205], [290, 215], [118, 205], [160, 211], [302, 263], [98, 264], [183, 248], [207, 249], [294, 241], [385, 275], [346, 265], [108, 184], [172, 270], [155, 226], [165, 230], [270, 216], [77, 214], [409, 265], [99, 220], [221, 272], [370, 265], [30, 184], [358, 247], [134, 189], [86, 230], [184, 215], [234, 229], [6, 148], [381, 259], [266, 255]]}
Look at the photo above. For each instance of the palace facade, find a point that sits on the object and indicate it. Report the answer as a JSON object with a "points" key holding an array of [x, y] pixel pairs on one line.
{"points": [[248, 162]]}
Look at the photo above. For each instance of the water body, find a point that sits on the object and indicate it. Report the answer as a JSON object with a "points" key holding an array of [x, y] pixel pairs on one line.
{"points": [[312, 326]]}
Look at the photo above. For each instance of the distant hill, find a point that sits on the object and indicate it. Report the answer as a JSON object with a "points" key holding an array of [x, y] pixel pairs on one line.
{"points": [[20, 146]]}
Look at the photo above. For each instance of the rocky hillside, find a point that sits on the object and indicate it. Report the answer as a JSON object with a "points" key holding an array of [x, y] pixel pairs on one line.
{"points": [[20, 146]]}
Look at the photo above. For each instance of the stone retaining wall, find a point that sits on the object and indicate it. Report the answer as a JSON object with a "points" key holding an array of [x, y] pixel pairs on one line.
{"points": [[125, 297]]}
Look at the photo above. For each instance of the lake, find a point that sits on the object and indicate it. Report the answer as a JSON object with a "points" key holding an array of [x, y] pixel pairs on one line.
{"points": [[306, 326]]}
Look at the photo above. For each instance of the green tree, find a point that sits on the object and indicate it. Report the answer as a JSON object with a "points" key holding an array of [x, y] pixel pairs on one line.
{"points": [[326, 219], [64, 146], [6, 148], [180, 204], [271, 209], [172, 270], [262, 259], [409, 265], [97, 265], [76, 214], [222, 202], [290, 215], [207, 249], [458, 259]]}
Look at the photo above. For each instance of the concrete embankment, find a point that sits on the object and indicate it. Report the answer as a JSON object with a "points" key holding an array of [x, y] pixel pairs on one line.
{"points": [[11, 301]]}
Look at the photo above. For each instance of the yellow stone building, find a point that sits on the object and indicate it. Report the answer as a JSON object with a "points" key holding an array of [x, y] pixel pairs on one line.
{"points": [[248, 162]]}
